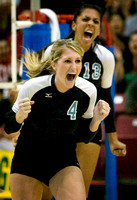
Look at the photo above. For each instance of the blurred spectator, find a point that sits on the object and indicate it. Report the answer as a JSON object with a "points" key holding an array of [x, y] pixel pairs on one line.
{"points": [[126, 8], [130, 64], [116, 22], [119, 43], [111, 8], [130, 60], [131, 98], [5, 18], [119, 69], [22, 5], [131, 21], [6, 142], [5, 61]]}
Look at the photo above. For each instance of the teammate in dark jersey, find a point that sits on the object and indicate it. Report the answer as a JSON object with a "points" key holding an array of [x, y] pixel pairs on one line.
{"points": [[53, 112], [98, 67]]}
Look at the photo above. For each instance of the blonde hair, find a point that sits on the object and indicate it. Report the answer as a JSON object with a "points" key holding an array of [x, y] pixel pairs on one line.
{"points": [[36, 66]]}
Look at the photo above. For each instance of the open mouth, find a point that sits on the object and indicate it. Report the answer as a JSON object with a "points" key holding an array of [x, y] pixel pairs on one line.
{"points": [[71, 77], [88, 35]]}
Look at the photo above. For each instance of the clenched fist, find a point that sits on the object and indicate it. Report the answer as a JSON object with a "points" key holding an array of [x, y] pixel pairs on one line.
{"points": [[101, 110], [24, 109]]}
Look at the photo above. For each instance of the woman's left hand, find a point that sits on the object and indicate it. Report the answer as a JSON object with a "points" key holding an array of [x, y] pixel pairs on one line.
{"points": [[101, 110]]}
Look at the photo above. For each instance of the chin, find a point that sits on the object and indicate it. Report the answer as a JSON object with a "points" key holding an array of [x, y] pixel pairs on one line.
{"points": [[69, 86]]}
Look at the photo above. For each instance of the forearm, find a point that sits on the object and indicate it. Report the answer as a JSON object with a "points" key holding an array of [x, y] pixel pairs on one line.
{"points": [[112, 137], [19, 117], [11, 125], [94, 124]]}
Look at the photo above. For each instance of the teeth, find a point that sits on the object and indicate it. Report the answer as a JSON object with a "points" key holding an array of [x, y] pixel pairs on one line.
{"points": [[89, 32]]}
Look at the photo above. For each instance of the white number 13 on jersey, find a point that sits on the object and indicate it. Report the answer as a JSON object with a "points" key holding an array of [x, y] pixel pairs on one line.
{"points": [[73, 110]]}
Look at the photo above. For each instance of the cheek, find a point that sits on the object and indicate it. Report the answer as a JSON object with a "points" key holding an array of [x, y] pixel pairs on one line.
{"points": [[98, 29], [79, 68], [62, 70], [79, 27]]}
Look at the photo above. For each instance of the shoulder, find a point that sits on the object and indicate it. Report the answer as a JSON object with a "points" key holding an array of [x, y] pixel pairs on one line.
{"points": [[103, 53], [107, 59], [33, 85], [86, 86], [40, 80]]}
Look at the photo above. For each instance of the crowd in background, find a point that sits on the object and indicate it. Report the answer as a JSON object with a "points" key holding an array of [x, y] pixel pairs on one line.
{"points": [[119, 18]]}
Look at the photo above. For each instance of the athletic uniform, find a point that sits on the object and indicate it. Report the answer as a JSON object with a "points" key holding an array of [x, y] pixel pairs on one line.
{"points": [[98, 67], [52, 128]]}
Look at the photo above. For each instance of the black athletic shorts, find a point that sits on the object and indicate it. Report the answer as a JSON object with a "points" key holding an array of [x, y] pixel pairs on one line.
{"points": [[42, 163]]}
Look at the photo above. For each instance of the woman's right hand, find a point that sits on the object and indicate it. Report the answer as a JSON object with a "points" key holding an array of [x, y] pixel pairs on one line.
{"points": [[24, 109]]}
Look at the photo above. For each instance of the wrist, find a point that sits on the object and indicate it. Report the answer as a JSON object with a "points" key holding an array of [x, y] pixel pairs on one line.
{"points": [[19, 118], [94, 125], [112, 137]]}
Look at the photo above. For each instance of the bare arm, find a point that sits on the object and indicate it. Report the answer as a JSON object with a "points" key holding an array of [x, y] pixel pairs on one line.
{"points": [[117, 148]]}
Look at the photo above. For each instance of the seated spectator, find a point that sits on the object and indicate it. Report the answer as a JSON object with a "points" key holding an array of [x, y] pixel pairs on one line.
{"points": [[5, 66], [6, 142], [116, 22], [5, 18], [119, 43], [129, 11], [130, 61], [126, 8], [130, 64], [131, 98]]}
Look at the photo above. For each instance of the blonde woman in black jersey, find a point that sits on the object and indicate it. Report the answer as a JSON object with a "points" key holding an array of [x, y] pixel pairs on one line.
{"points": [[97, 67], [53, 112]]}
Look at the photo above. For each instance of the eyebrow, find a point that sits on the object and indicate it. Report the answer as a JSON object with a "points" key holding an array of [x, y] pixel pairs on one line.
{"points": [[97, 18]]}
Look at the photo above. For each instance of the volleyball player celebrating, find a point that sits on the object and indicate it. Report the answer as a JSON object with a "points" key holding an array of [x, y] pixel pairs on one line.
{"points": [[51, 111], [97, 67]]}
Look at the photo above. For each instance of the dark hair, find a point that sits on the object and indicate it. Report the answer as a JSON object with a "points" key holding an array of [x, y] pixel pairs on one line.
{"points": [[84, 6], [78, 12]]}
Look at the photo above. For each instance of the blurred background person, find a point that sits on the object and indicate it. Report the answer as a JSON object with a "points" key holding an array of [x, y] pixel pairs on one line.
{"points": [[130, 61], [6, 141], [119, 42], [5, 60]]}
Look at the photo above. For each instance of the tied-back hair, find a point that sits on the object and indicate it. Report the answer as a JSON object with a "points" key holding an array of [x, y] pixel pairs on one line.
{"points": [[38, 66], [78, 12]]}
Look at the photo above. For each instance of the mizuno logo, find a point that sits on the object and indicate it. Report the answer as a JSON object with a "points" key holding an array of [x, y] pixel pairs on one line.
{"points": [[48, 95]]}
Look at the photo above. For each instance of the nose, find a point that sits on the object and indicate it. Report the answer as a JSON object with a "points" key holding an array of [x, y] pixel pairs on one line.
{"points": [[73, 66], [90, 22]]}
